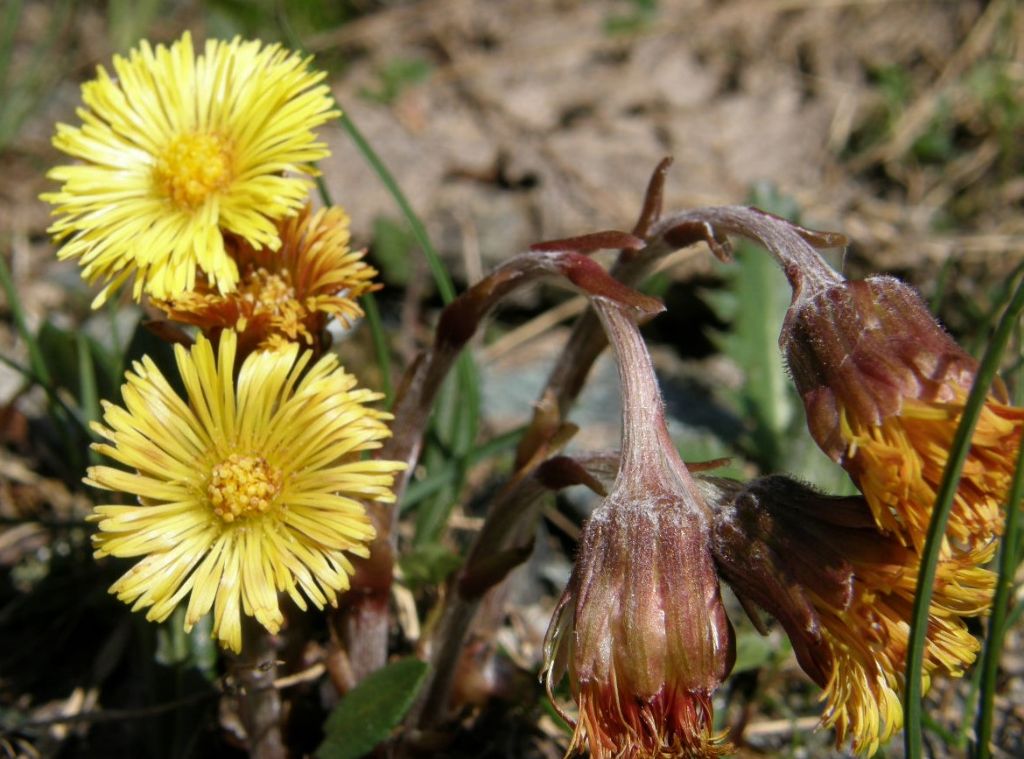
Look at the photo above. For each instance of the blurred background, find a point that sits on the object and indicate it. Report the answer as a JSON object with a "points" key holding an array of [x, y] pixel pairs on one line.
{"points": [[900, 124]]}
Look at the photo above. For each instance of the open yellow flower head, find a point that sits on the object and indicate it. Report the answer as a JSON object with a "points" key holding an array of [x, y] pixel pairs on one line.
{"points": [[246, 487], [285, 295], [844, 593], [884, 387], [175, 150]]}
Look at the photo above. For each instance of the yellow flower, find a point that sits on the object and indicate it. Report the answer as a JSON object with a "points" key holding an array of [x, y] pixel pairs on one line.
{"points": [[899, 463], [868, 638], [177, 149], [884, 387], [844, 594], [246, 489], [284, 296]]}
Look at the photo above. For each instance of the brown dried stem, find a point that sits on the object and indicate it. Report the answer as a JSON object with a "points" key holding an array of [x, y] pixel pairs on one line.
{"points": [[362, 624], [792, 246], [507, 533]]}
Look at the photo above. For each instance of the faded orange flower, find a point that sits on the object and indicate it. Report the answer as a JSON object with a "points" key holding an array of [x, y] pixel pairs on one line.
{"points": [[285, 295], [844, 594], [884, 387]]}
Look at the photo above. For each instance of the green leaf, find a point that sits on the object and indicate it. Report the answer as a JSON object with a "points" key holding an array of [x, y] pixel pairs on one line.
{"points": [[395, 77], [128, 20], [756, 304], [754, 651], [371, 710], [428, 564], [174, 646], [78, 363], [452, 439], [641, 16]]}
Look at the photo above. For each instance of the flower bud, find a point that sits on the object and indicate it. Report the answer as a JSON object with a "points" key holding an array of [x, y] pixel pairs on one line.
{"points": [[641, 630], [884, 387], [844, 595]]}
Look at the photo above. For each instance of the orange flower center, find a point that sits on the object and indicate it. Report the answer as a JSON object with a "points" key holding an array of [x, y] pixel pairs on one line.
{"points": [[269, 291], [192, 167], [242, 486]]}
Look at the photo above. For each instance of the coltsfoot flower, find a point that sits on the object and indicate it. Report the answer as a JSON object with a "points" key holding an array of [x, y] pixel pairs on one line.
{"points": [[177, 149], [641, 630], [844, 594], [884, 387], [246, 488], [285, 295]]}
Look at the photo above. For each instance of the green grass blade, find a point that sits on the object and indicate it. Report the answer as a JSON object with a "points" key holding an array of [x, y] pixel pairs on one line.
{"points": [[419, 490], [18, 97], [115, 339], [1009, 559], [24, 371], [12, 14], [64, 415], [1015, 614], [465, 423], [35, 356], [1000, 604], [987, 370], [964, 733], [419, 232], [88, 395], [127, 20], [53, 398], [377, 334]]}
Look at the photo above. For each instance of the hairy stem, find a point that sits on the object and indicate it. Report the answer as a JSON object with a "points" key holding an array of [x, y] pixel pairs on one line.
{"points": [[259, 701]]}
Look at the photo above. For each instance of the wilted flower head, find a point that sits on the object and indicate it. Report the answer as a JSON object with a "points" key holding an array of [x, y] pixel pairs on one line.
{"points": [[285, 295], [247, 488], [178, 149], [844, 593], [884, 388], [641, 629], [883, 385]]}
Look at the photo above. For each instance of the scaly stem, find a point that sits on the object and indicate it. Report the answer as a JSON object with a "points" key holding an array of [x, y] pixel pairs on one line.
{"points": [[259, 702]]}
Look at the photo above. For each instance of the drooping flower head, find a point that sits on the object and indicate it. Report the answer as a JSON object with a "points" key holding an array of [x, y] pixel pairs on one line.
{"points": [[882, 383], [844, 594], [641, 630], [246, 487], [285, 295], [176, 150], [884, 387]]}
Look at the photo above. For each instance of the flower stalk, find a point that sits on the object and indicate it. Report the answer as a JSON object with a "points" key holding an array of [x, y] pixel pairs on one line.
{"points": [[458, 322], [259, 701]]}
